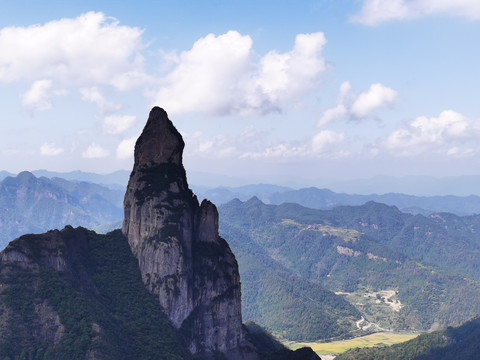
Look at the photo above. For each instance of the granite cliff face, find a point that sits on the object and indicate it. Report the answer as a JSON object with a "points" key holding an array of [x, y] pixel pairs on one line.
{"points": [[182, 258]]}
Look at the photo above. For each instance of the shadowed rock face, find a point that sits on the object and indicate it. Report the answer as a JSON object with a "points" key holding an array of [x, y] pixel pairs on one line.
{"points": [[183, 260]]}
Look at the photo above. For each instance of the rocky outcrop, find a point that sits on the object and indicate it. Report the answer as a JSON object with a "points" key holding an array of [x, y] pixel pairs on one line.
{"points": [[182, 258]]}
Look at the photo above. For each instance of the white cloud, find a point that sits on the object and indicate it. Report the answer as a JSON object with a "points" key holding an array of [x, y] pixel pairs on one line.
{"points": [[49, 149], [38, 97], [126, 148], [289, 75], [91, 48], [324, 144], [112, 123], [322, 141], [94, 95], [450, 133], [116, 124], [254, 144], [220, 76], [377, 96], [331, 114], [374, 12], [95, 151], [278, 151]]}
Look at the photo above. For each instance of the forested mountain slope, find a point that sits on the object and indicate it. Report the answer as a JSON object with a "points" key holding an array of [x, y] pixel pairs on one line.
{"points": [[396, 281]]}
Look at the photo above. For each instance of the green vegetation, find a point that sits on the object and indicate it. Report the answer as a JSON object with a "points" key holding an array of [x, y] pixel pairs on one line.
{"points": [[462, 342], [100, 299], [363, 251], [283, 302]]}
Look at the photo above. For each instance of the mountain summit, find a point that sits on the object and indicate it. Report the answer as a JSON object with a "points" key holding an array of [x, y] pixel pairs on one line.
{"points": [[182, 258]]}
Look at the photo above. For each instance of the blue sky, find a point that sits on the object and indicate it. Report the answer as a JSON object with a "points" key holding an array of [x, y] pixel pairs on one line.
{"points": [[266, 91]]}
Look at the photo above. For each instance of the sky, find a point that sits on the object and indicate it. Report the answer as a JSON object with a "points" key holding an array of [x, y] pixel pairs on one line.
{"points": [[282, 92]]}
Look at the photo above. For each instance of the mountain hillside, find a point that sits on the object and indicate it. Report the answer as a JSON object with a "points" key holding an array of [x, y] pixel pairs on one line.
{"points": [[362, 254], [73, 294], [279, 299]]}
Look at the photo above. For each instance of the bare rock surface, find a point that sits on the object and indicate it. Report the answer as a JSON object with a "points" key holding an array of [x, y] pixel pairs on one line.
{"points": [[182, 258]]}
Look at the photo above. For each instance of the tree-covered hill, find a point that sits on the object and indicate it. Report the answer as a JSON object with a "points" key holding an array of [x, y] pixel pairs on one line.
{"points": [[73, 294], [369, 254], [277, 298]]}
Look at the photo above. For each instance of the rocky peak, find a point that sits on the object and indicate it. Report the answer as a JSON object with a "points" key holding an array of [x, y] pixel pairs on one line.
{"points": [[159, 143], [182, 258]]}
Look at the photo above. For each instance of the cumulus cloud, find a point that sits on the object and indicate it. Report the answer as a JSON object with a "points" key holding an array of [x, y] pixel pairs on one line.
{"points": [[95, 151], [49, 149], [39, 96], [363, 105], [220, 75], [332, 114], [91, 48], [126, 148], [377, 96], [374, 12], [291, 74], [450, 133], [322, 141]]}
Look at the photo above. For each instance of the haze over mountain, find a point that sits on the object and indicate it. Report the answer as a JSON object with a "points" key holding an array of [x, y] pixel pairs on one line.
{"points": [[421, 186], [326, 199], [32, 205]]}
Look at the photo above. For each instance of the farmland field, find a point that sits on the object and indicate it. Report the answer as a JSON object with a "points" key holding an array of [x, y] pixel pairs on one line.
{"points": [[338, 347]]}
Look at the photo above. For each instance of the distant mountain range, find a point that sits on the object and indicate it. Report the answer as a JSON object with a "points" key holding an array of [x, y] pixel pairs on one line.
{"points": [[116, 180], [326, 199], [462, 186], [33, 205]]}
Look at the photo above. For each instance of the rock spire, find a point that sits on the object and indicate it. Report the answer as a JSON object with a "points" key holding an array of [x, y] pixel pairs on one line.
{"points": [[181, 256]]}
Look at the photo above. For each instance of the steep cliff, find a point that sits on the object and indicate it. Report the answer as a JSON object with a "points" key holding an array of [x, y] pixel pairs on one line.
{"points": [[182, 258]]}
